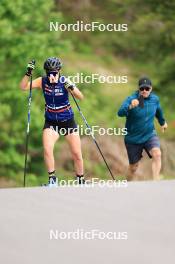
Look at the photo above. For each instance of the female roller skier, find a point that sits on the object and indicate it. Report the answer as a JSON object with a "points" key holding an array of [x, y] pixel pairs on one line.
{"points": [[59, 116]]}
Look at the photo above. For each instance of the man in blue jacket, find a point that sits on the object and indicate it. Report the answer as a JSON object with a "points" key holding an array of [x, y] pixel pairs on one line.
{"points": [[140, 109]]}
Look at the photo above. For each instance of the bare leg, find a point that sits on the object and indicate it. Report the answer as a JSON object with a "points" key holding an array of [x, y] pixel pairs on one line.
{"points": [[75, 147], [49, 139], [156, 162], [131, 171]]}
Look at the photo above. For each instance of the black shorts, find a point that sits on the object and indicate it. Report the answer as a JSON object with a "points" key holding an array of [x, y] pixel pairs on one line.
{"points": [[62, 127], [134, 151]]}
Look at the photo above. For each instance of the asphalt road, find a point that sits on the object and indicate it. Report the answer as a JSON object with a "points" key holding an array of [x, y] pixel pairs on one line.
{"points": [[35, 224]]}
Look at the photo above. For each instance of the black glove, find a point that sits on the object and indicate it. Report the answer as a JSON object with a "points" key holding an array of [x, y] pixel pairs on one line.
{"points": [[30, 67]]}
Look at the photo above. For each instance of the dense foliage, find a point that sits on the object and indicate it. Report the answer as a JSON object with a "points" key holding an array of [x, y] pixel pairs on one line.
{"points": [[24, 31]]}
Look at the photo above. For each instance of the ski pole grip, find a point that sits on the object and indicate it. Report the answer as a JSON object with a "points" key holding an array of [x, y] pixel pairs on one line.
{"points": [[141, 101]]}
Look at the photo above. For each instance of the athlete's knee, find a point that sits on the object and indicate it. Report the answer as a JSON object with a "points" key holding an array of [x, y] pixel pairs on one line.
{"points": [[133, 167], [156, 154], [48, 151], [77, 156]]}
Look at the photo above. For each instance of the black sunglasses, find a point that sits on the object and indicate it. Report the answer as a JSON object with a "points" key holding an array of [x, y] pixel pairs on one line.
{"points": [[53, 73], [144, 88]]}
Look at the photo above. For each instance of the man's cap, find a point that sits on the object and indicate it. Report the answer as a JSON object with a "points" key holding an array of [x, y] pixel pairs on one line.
{"points": [[145, 82]]}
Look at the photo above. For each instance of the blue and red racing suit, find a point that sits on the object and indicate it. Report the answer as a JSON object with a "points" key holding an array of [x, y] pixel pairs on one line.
{"points": [[57, 106]]}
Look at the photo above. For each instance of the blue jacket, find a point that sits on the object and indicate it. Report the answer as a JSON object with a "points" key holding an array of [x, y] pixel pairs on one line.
{"points": [[140, 121]]}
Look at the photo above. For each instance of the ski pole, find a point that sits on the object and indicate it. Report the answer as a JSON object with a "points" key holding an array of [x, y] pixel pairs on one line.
{"points": [[93, 137], [28, 127]]}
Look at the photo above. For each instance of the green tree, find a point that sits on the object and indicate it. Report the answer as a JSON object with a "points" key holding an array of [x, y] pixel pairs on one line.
{"points": [[24, 31]]}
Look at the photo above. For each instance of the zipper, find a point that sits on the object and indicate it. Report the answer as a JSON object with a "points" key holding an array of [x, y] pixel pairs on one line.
{"points": [[54, 100], [147, 111]]}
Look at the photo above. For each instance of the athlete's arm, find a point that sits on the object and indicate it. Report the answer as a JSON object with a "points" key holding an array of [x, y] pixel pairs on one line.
{"points": [[76, 92], [126, 106], [25, 83], [160, 115]]}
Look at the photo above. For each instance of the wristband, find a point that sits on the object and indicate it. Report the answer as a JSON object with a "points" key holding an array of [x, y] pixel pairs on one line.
{"points": [[71, 87], [28, 74]]}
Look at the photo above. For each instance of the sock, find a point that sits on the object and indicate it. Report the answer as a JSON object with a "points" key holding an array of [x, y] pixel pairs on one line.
{"points": [[80, 179], [52, 177], [51, 173]]}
